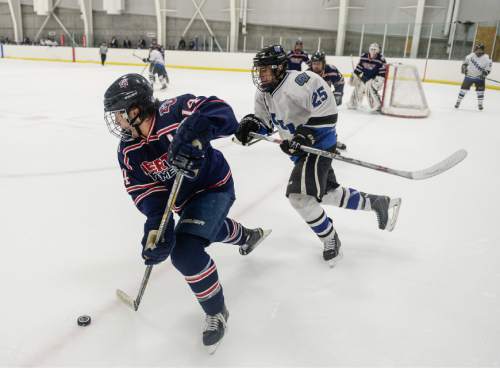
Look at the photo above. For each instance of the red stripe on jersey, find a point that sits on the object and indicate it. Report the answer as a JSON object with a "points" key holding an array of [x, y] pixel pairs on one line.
{"points": [[133, 188], [163, 131], [148, 192]]}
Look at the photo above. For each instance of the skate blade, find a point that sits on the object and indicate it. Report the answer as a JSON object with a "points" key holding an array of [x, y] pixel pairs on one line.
{"points": [[333, 262], [395, 204], [211, 349], [265, 234]]}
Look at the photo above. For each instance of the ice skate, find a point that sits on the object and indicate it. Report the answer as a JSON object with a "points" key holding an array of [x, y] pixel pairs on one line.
{"points": [[254, 238], [215, 329], [331, 251], [382, 206]]}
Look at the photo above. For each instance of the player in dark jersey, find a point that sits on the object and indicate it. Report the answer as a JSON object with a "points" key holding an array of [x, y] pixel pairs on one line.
{"points": [[297, 56], [156, 142], [329, 73]]}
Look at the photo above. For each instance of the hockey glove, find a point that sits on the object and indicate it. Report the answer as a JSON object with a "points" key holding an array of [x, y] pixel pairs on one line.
{"points": [[156, 254], [187, 150], [249, 123], [464, 68], [303, 137], [145, 60], [338, 98], [484, 74]]}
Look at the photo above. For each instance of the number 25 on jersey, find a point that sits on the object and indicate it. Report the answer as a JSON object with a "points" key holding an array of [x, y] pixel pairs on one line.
{"points": [[319, 96]]}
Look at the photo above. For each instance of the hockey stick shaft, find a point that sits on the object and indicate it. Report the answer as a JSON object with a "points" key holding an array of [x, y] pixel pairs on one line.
{"points": [[137, 56], [134, 303], [431, 171], [492, 80]]}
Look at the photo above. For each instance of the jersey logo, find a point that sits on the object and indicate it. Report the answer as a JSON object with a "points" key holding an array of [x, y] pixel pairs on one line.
{"points": [[123, 83], [159, 169], [165, 106], [302, 79]]}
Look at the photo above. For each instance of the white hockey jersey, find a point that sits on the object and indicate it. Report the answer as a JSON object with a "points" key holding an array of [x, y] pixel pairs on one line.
{"points": [[155, 57], [477, 64], [302, 98]]}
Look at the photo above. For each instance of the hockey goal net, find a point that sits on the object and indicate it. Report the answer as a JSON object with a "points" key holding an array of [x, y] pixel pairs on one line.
{"points": [[403, 94]]}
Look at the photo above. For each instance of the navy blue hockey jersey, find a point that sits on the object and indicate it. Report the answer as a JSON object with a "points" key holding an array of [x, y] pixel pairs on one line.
{"points": [[147, 175], [296, 58], [333, 77], [369, 68]]}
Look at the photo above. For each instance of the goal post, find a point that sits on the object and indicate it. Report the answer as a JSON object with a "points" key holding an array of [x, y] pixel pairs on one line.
{"points": [[403, 95]]}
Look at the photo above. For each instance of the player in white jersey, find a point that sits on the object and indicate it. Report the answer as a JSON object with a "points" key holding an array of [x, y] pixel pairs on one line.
{"points": [[157, 66], [302, 107], [476, 67]]}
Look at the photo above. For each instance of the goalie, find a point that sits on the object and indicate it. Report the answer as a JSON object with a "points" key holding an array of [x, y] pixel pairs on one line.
{"points": [[368, 78]]}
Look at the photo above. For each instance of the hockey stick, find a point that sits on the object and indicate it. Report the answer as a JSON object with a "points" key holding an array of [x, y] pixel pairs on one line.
{"points": [[426, 173], [492, 80], [124, 297], [137, 56]]}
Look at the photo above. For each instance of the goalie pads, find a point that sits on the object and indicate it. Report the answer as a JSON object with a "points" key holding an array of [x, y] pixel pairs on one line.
{"points": [[373, 86], [358, 93]]}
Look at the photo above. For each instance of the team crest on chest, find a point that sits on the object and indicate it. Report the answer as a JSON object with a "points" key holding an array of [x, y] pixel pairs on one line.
{"points": [[159, 169], [166, 105]]}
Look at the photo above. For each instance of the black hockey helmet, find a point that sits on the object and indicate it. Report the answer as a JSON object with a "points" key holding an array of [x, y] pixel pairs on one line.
{"points": [[318, 56], [275, 57], [128, 91], [479, 46]]}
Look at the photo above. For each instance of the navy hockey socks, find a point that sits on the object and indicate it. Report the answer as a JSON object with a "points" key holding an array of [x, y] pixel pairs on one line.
{"points": [[231, 232]]}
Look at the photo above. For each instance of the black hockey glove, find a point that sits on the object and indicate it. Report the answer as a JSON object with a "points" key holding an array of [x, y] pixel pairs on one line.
{"points": [[145, 60], [464, 68], [338, 98], [484, 74], [249, 123], [303, 137], [163, 247], [187, 150]]}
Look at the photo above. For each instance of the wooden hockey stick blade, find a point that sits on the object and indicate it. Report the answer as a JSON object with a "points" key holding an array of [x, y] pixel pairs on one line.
{"points": [[125, 298], [440, 167]]}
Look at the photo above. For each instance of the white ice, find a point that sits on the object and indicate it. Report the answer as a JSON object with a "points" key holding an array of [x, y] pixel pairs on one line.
{"points": [[426, 294]]}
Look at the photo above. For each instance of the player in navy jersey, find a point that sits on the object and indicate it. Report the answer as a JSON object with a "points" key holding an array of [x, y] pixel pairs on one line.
{"points": [[157, 141], [329, 73], [368, 78], [297, 56]]}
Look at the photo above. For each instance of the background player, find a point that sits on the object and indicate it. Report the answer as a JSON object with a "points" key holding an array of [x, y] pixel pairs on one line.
{"points": [[302, 107], [476, 67], [368, 77], [329, 73], [297, 56], [332, 76], [157, 66], [157, 141]]}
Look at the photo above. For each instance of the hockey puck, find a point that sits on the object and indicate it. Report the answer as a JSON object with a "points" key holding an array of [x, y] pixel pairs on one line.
{"points": [[83, 320]]}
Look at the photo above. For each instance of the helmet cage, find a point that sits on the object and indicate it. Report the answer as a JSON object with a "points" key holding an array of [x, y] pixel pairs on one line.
{"points": [[268, 86], [115, 128]]}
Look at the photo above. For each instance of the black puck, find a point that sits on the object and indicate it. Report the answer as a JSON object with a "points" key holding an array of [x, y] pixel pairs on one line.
{"points": [[83, 320]]}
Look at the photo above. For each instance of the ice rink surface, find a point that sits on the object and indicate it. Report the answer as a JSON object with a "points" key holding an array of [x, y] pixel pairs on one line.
{"points": [[426, 294]]}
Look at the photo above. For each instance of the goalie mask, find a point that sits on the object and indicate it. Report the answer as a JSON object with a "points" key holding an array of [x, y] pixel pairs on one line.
{"points": [[269, 67], [374, 50], [128, 92]]}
